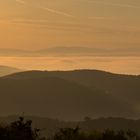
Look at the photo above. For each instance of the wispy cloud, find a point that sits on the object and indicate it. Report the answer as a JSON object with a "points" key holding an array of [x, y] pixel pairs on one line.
{"points": [[115, 4], [20, 1], [101, 18], [51, 10], [57, 12]]}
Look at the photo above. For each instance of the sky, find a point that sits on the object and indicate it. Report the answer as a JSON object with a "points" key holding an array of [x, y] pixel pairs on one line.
{"points": [[108, 27]]}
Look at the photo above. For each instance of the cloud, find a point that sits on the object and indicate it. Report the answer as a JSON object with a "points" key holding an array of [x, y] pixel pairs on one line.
{"points": [[115, 4], [101, 18], [49, 10], [57, 12], [20, 1]]}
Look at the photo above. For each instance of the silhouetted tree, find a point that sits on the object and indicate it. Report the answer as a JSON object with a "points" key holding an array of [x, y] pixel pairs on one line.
{"points": [[67, 134], [19, 130], [23, 130], [75, 134]]}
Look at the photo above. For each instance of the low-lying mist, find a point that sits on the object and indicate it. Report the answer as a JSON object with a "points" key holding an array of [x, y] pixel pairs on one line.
{"points": [[125, 65]]}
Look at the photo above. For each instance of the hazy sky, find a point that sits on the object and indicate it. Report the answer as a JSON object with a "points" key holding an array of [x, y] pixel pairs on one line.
{"points": [[47, 23], [41, 24]]}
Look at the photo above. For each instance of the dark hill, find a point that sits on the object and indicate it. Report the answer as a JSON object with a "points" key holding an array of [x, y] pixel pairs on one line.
{"points": [[123, 87], [55, 97], [71, 94], [46, 94]]}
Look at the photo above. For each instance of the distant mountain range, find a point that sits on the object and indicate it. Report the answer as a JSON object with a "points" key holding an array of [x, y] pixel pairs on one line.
{"points": [[70, 51], [5, 70], [70, 95]]}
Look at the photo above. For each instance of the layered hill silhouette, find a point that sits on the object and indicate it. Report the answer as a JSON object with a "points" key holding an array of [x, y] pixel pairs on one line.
{"points": [[70, 95]]}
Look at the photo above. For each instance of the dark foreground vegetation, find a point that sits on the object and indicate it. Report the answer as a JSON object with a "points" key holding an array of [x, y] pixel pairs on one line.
{"points": [[19, 130], [23, 130]]}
